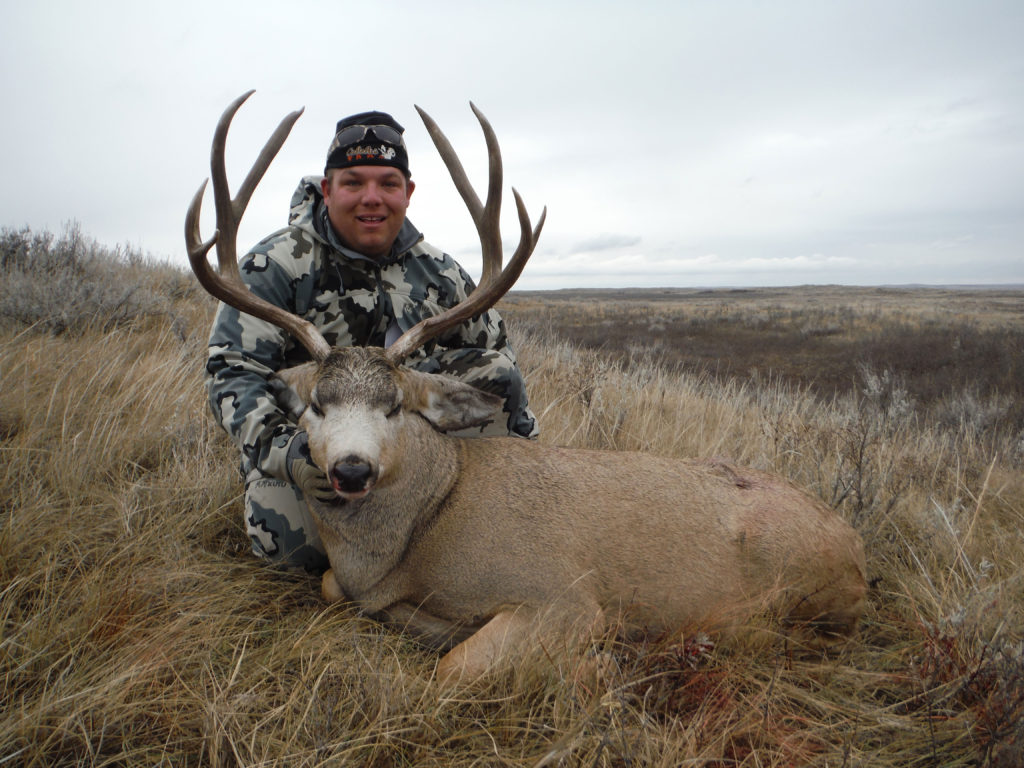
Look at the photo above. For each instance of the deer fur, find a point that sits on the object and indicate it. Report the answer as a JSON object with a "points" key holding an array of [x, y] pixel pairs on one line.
{"points": [[467, 543]]}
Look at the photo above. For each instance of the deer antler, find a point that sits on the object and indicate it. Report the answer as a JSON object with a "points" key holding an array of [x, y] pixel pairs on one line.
{"points": [[226, 284], [495, 282]]}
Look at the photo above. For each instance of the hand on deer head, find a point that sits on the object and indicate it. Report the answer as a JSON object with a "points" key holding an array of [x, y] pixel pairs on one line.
{"points": [[305, 474]]}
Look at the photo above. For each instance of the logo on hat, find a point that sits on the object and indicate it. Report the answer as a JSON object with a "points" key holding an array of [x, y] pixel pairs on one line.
{"points": [[367, 152]]}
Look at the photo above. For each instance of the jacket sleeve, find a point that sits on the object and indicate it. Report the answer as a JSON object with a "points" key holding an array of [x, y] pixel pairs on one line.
{"points": [[243, 353]]}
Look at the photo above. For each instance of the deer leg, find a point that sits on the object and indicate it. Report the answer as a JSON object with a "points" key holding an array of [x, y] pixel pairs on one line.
{"points": [[475, 655], [519, 630], [330, 588], [432, 631]]}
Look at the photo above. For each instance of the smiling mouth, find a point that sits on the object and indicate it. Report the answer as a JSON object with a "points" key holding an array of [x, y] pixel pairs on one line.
{"points": [[370, 219]]}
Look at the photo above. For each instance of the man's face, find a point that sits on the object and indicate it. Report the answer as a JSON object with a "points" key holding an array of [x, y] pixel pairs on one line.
{"points": [[367, 204]]}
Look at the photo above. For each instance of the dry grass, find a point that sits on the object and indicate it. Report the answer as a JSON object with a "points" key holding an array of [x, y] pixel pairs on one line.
{"points": [[953, 356], [138, 631]]}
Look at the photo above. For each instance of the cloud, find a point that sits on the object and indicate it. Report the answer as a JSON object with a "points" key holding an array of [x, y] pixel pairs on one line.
{"points": [[604, 243]]}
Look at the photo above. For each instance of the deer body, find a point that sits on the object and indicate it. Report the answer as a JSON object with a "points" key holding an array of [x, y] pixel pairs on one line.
{"points": [[453, 532]]}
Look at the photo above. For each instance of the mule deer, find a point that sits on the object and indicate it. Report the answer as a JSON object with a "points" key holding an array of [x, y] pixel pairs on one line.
{"points": [[466, 543]]}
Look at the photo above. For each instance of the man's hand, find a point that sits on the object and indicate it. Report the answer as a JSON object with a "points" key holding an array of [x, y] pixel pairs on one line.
{"points": [[307, 475]]}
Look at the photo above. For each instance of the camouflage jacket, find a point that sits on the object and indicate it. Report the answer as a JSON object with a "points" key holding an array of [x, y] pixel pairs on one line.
{"points": [[354, 301]]}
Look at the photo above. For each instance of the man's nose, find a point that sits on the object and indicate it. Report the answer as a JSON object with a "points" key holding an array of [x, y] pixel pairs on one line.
{"points": [[371, 194]]}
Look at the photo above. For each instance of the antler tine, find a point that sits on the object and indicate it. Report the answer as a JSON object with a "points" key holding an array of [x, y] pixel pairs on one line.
{"points": [[226, 284], [477, 211], [492, 209], [527, 242], [495, 282]]}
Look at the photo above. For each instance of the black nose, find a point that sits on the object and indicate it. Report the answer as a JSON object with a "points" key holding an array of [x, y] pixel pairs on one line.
{"points": [[352, 474]]}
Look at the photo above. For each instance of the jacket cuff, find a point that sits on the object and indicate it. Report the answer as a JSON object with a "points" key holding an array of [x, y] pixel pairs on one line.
{"points": [[274, 460]]}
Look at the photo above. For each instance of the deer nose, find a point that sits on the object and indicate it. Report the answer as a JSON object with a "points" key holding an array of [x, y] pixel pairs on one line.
{"points": [[352, 474]]}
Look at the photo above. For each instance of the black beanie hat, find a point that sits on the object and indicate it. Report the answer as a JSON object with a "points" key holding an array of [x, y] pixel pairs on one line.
{"points": [[369, 138]]}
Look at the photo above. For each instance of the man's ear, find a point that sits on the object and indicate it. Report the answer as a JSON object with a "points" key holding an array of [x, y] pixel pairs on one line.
{"points": [[293, 386], [447, 403]]}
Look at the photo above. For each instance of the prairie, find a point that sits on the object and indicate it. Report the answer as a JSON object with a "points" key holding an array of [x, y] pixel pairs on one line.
{"points": [[136, 629]]}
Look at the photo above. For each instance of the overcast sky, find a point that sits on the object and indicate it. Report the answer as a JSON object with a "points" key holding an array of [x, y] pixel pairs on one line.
{"points": [[674, 143]]}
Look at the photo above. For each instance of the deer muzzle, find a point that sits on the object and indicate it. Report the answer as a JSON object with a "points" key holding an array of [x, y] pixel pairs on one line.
{"points": [[353, 477]]}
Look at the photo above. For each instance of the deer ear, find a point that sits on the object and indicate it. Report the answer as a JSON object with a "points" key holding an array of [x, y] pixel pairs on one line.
{"points": [[447, 403], [293, 386]]}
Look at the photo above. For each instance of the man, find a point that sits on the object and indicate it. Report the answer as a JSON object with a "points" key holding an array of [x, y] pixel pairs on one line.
{"points": [[353, 264]]}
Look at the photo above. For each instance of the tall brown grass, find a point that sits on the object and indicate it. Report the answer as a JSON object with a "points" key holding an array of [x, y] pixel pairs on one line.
{"points": [[137, 630]]}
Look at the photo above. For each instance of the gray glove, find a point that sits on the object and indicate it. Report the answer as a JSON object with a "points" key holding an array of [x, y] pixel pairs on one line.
{"points": [[305, 474]]}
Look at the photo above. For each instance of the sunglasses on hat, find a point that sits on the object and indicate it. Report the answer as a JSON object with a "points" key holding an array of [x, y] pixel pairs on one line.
{"points": [[350, 134]]}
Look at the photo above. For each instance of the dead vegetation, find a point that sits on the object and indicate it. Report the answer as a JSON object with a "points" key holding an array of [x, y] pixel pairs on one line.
{"points": [[956, 356], [138, 631]]}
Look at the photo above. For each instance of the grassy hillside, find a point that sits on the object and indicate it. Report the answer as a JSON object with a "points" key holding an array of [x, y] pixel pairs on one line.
{"points": [[137, 630]]}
